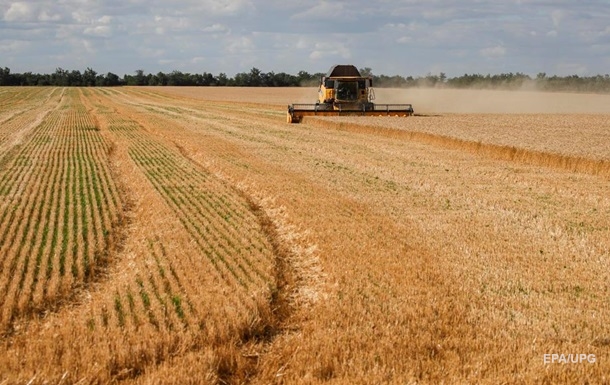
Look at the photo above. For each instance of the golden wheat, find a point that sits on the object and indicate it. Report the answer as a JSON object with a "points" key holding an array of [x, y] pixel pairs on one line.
{"points": [[452, 248]]}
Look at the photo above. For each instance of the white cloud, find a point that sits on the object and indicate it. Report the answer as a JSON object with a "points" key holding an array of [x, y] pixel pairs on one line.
{"points": [[65, 32], [216, 28], [105, 19], [13, 46], [441, 13], [242, 44], [493, 52], [228, 7], [151, 52], [89, 47], [198, 60], [166, 61], [315, 55], [602, 49], [413, 26], [173, 23], [47, 16], [557, 16], [98, 30], [20, 11], [80, 16], [326, 10], [328, 50], [204, 8]]}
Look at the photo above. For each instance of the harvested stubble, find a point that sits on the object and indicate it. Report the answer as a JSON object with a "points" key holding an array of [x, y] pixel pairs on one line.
{"points": [[577, 143], [433, 264]]}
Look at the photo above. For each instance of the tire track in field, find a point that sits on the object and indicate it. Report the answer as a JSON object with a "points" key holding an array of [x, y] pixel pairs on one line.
{"points": [[300, 262], [296, 274], [271, 218]]}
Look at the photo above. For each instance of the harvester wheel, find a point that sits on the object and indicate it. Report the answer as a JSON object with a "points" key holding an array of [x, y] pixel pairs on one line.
{"points": [[289, 117]]}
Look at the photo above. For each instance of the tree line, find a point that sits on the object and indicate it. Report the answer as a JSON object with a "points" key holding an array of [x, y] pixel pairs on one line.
{"points": [[258, 78], [90, 78]]}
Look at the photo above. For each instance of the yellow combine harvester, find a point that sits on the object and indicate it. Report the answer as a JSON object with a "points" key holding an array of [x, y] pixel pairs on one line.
{"points": [[343, 91]]}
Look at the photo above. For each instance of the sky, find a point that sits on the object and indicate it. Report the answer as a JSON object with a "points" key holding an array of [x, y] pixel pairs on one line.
{"points": [[392, 37]]}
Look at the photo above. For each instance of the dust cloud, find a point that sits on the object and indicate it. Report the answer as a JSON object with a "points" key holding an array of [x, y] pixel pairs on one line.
{"points": [[434, 101]]}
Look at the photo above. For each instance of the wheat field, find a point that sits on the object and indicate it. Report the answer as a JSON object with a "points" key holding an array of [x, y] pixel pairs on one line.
{"points": [[190, 235]]}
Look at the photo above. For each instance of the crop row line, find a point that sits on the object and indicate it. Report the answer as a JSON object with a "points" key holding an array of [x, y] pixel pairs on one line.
{"points": [[157, 162], [190, 210], [16, 235], [65, 205], [218, 260], [227, 236]]}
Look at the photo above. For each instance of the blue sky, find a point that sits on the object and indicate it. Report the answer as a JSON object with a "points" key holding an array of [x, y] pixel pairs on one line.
{"points": [[405, 37]]}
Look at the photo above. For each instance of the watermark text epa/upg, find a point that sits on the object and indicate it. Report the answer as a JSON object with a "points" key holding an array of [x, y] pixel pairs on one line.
{"points": [[569, 358]]}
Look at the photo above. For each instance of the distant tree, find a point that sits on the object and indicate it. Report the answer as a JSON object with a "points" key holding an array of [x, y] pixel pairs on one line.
{"points": [[194, 79], [222, 79], [161, 79], [43, 80], [5, 77], [100, 81], [153, 80], [89, 77], [112, 79], [29, 79], [240, 79], [75, 78], [176, 78], [281, 79], [60, 77], [208, 79], [139, 79], [254, 78], [395, 81]]}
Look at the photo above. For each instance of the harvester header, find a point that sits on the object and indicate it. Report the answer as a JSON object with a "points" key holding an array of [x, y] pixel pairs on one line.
{"points": [[344, 91]]}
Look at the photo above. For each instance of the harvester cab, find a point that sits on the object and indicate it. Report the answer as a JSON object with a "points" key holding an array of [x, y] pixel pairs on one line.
{"points": [[343, 91]]}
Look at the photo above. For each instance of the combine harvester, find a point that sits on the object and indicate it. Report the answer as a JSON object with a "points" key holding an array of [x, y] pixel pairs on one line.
{"points": [[343, 91]]}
